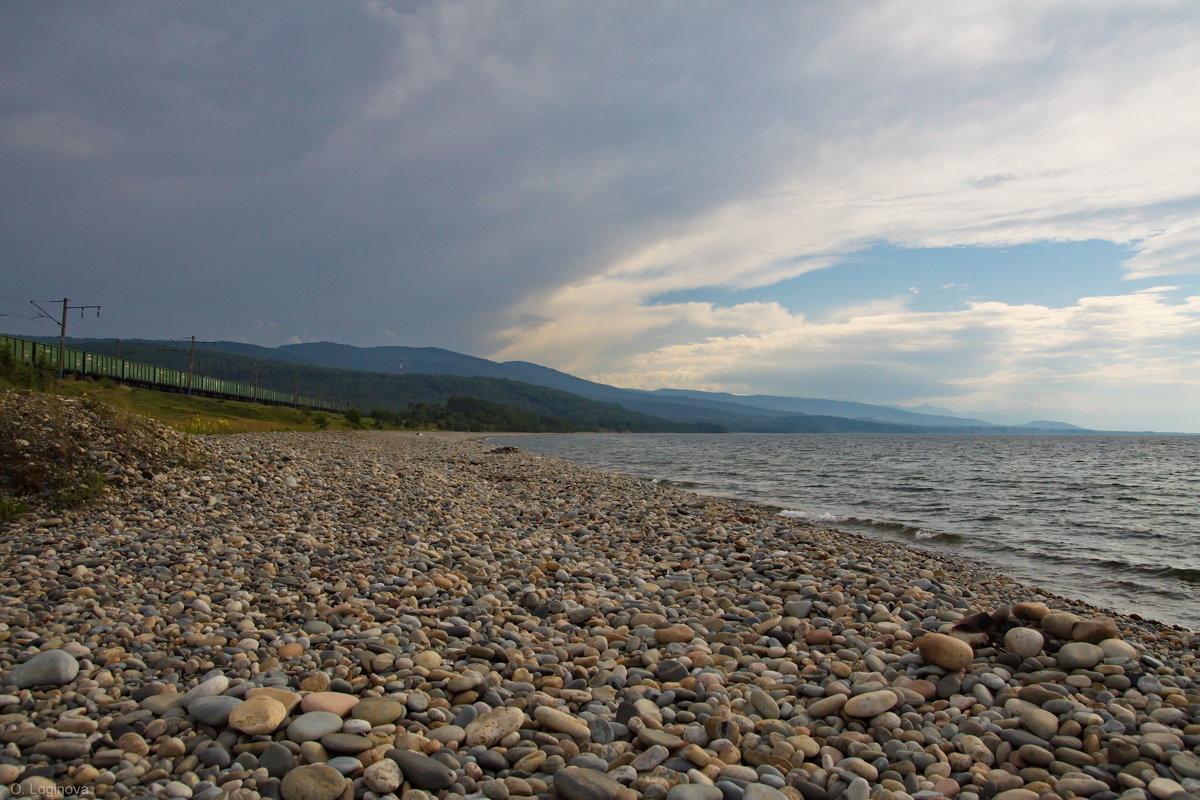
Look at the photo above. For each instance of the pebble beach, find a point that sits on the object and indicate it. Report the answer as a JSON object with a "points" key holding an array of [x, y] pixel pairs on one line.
{"points": [[313, 616]]}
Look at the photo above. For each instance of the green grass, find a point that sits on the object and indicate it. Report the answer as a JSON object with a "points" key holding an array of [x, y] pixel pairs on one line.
{"points": [[195, 414], [11, 508]]}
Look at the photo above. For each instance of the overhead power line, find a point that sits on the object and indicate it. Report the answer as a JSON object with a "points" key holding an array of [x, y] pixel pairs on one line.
{"points": [[62, 322]]}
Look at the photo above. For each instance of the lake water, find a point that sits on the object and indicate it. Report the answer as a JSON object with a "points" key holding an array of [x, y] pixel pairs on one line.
{"points": [[1110, 520]]}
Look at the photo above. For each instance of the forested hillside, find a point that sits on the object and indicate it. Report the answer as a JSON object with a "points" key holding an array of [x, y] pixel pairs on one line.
{"points": [[369, 390]]}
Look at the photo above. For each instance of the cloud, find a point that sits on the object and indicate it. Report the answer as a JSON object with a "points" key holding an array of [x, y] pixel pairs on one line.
{"points": [[521, 181], [987, 355]]}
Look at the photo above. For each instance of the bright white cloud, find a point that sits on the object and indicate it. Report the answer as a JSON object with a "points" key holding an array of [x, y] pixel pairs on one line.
{"points": [[965, 124], [1063, 361]]}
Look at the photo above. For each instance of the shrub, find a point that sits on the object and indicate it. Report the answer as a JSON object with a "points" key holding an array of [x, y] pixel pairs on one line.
{"points": [[61, 452], [24, 375], [11, 508]]}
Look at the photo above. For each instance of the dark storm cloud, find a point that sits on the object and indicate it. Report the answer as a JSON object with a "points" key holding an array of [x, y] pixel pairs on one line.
{"points": [[335, 170], [521, 180]]}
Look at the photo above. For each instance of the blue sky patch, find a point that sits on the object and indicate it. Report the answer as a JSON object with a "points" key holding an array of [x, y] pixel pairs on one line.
{"points": [[1053, 274]]}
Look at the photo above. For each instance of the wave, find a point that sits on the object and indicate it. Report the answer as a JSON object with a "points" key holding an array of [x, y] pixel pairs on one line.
{"points": [[890, 527], [1163, 571]]}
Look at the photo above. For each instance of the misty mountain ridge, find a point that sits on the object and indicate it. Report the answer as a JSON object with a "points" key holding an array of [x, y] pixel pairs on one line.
{"points": [[392, 376], [737, 412]]}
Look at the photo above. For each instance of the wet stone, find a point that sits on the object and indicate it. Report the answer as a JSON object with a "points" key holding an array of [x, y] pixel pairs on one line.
{"points": [[212, 710], [277, 760], [1079, 655], [377, 711], [422, 771], [671, 671], [313, 725], [870, 704], [210, 687], [347, 765], [576, 783], [345, 743], [313, 782], [489, 728], [49, 668]]}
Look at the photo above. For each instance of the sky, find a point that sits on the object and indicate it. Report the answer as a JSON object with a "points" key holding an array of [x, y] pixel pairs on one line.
{"points": [[986, 207]]}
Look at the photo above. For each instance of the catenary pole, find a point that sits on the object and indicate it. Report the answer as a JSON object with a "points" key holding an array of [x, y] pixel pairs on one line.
{"points": [[62, 341], [191, 363], [62, 329]]}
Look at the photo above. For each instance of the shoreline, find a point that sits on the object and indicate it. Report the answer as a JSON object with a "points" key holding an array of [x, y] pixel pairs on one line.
{"points": [[511, 625], [1141, 607]]}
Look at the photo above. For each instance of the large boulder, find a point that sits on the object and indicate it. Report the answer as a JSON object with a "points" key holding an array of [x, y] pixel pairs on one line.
{"points": [[945, 651], [51, 668]]}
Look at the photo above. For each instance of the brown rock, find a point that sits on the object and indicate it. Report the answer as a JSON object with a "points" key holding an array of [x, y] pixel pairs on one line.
{"points": [[488, 729], [1094, 631], [818, 636], [133, 743], [561, 721], [579, 783], [315, 682], [1031, 612], [927, 689], [429, 659], [378, 710], [674, 633], [1117, 648], [826, 706], [288, 698], [338, 703], [870, 704], [945, 651], [172, 747], [289, 650], [62, 749], [258, 715], [313, 782], [1059, 624]]}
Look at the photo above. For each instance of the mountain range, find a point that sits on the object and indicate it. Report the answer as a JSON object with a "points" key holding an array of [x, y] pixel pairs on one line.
{"points": [[393, 376], [677, 405]]}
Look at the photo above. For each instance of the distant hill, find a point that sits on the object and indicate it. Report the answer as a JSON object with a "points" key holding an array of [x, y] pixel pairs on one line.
{"points": [[837, 408], [367, 390], [393, 376], [1050, 425], [734, 412]]}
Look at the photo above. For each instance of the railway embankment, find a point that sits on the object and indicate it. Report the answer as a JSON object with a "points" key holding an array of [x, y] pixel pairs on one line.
{"points": [[58, 452]]}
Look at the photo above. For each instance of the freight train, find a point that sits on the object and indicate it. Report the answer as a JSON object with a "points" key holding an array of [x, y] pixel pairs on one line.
{"points": [[94, 365]]}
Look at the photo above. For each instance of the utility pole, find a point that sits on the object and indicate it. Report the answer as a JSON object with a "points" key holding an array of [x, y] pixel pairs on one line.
{"points": [[62, 330], [191, 360], [254, 394], [191, 363]]}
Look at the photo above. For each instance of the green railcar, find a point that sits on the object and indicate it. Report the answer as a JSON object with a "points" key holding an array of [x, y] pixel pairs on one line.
{"points": [[81, 362]]}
